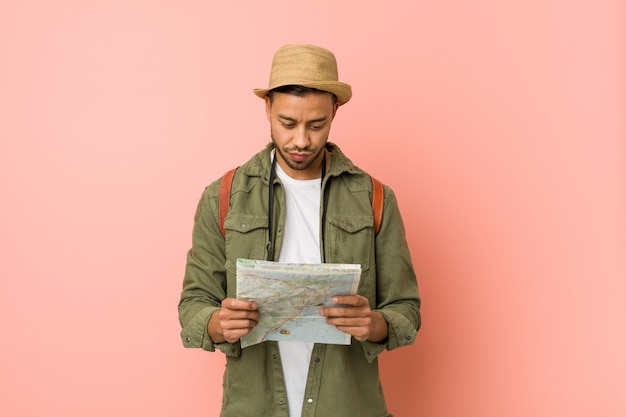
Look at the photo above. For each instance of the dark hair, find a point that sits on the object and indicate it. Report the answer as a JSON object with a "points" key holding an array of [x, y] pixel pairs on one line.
{"points": [[298, 90]]}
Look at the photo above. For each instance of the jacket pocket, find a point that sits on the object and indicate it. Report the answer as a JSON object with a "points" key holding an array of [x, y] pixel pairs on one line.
{"points": [[245, 238], [349, 239]]}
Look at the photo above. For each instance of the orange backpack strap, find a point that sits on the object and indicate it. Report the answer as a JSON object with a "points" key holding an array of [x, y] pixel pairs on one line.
{"points": [[378, 200], [224, 198]]}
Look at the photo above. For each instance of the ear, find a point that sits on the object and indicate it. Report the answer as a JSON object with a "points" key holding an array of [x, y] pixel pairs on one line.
{"points": [[335, 108], [268, 107]]}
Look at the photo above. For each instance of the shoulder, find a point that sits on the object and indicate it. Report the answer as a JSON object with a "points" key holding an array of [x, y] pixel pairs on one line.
{"points": [[354, 178], [257, 166]]}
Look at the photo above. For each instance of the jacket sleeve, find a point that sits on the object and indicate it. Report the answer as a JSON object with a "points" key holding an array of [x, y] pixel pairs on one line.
{"points": [[397, 296], [204, 284]]}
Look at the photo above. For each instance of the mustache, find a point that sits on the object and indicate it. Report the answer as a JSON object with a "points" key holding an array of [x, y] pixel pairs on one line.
{"points": [[295, 149]]}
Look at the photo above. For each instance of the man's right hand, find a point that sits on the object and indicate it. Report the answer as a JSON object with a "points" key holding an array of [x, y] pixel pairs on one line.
{"points": [[236, 318]]}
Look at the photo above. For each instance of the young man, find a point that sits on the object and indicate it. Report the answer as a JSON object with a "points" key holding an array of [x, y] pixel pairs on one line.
{"points": [[319, 210]]}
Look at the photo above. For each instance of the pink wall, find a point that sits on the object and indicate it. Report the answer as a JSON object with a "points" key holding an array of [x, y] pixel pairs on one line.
{"points": [[499, 124]]}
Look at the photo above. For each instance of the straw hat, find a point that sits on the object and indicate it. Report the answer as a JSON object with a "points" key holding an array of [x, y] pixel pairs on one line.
{"points": [[308, 66]]}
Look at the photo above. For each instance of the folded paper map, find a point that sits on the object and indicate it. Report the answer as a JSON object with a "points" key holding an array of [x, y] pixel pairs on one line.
{"points": [[289, 297]]}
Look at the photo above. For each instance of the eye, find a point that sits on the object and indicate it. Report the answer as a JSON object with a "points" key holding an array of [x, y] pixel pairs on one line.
{"points": [[317, 127], [287, 125]]}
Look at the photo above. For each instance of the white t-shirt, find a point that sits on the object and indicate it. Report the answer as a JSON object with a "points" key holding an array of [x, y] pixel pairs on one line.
{"points": [[301, 243]]}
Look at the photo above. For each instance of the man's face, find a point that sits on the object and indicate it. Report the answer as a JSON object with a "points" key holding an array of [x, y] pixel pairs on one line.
{"points": [[300, 128]]}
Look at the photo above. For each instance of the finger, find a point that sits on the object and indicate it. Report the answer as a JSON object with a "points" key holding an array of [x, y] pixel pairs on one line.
{"points": [[359, 333], [235, 315], [338, 312], [238, 324], [351, 300], [232, 336], [362, 311], [352, 322], [236, 304]]}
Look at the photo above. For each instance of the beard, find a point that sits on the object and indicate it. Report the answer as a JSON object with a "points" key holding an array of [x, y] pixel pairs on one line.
{"points": [[298, 165]]}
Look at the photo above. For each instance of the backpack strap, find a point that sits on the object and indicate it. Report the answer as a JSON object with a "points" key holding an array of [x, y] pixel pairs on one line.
{"points": [[224, 198], [378, 200]]}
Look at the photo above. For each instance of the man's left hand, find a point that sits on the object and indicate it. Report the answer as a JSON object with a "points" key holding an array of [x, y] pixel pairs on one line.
{"points": [[355, 317]]}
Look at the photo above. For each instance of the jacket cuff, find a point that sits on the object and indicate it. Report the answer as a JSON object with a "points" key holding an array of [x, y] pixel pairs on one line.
{"points": [[402, 331], [195, 334]]}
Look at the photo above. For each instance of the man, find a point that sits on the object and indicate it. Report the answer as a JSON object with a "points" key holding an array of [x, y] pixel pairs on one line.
{"points": [[301, 200]]}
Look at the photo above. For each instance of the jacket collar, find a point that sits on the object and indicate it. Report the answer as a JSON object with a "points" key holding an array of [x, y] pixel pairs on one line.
{"points": [[260, 164]]}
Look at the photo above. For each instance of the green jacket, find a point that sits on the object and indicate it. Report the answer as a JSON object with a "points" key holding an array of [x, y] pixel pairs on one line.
{"points": [[342, 380]]}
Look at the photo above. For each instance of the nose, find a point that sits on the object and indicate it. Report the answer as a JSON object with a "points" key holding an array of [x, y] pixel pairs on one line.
{"points": [[301, 138]]}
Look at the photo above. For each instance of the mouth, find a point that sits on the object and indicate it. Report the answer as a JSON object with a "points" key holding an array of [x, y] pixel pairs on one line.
{"points": [[299, 157]]}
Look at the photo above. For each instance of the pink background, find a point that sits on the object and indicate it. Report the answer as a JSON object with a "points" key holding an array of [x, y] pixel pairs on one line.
{"points": [[500, 125]]}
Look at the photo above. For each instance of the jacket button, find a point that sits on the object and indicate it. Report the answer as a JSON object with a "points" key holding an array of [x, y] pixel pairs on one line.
{"points": [[188, 339], [310, 400], [281, 400]]}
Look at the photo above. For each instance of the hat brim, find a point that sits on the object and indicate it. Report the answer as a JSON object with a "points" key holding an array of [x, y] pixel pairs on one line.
{"points": [[342, 91]]}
